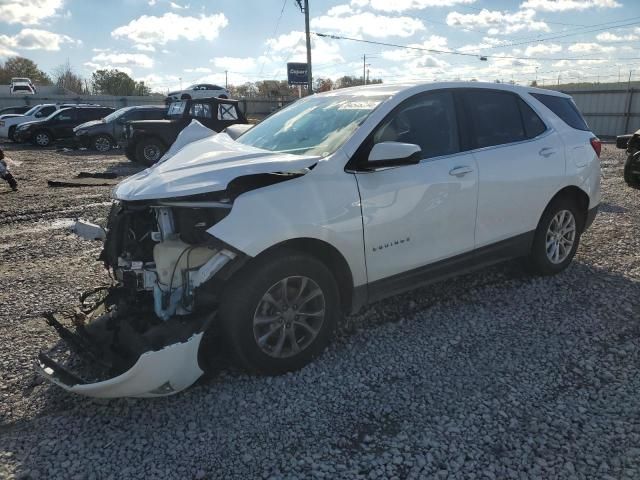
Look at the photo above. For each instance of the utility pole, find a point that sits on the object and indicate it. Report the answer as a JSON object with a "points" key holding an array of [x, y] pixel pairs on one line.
{"points": [[364, 67], [367, 75], [558, 79], [305, 9], [226, 79]]}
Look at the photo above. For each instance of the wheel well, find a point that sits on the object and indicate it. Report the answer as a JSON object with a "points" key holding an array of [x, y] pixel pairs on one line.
{"points": [[146, 138], [330, 257], [111, 139], [577, 194], [185, 96]]}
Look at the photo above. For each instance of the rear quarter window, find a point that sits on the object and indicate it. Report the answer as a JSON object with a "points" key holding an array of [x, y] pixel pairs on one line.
{"points": [[563, 108]]}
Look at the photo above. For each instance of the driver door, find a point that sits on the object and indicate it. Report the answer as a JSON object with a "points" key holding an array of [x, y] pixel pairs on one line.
{"points": [[415, 215], [64, 123]]}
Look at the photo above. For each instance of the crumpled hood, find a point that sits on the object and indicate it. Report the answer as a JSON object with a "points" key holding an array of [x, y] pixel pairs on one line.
{"points": [[207, 165]]}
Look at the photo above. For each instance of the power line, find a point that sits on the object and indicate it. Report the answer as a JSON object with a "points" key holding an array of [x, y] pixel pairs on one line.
{"points": [[275, 31]]}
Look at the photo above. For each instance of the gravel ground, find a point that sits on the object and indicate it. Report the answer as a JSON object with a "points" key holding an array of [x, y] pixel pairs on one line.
{"points": [[492, 375]]}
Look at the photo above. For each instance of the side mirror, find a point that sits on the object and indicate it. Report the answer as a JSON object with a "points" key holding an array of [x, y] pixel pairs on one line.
{"points": [[394, 154]]}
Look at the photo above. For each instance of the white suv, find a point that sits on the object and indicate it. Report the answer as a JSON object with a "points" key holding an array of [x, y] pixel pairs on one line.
{"points": [[336, 201]]}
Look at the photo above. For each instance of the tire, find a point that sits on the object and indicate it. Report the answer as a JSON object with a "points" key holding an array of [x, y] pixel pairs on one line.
{"points": [[102, 143], [562, 248], [10, 136], [149, 151], [223, 96], [244, 299], [42, 138], [630, 178]]}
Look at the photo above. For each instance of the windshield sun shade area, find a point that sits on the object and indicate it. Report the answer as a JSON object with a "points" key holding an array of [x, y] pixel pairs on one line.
{"points": [[313, 126]]}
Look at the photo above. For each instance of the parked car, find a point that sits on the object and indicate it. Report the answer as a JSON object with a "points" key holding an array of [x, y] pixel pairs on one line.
{"points": [[17, 110], [145, 141], [58, 125], [631, 143], [103, 135], [333, 202], [22, 86], [8, 124], [200, 90]]}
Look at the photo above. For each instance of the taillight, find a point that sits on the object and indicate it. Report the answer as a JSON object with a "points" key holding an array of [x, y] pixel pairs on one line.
{"points": [[597, 145]]}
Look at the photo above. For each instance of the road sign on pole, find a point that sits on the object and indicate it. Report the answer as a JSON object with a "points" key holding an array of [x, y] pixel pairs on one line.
{"points": [[297, 74]]}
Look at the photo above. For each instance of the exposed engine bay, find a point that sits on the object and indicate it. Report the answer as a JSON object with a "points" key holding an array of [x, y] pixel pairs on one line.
{"points": [[167, 272]]}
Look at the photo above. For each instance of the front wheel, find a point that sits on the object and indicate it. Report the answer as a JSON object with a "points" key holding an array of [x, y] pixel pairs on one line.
{"points": [[102, 143], [280, 312], [557, 237], [149, 151], [42, 138]]}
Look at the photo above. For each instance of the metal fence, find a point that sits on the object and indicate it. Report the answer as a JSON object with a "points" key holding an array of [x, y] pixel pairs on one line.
{"points": [[609, 111]]}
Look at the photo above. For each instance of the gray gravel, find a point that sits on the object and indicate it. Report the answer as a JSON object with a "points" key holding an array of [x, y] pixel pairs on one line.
{"points": [[493, 375]]}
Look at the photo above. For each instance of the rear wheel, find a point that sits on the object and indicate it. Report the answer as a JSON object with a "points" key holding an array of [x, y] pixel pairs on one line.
{"points": [[12, 130], [102, 143], [280, 313], [557, 237], [42, 138], [149, 151], [632, 170]]}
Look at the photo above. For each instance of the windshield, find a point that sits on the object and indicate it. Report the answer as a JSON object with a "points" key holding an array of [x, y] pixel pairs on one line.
{"points": [[117, 114], [32, 110], [176, 108], [315, 126]]}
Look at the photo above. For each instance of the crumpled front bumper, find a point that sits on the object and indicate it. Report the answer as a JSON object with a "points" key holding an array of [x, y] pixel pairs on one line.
{"points": [[155, 374]]}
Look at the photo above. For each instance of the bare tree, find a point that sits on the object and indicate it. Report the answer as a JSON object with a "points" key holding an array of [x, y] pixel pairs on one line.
{"points": [[65, 77]]}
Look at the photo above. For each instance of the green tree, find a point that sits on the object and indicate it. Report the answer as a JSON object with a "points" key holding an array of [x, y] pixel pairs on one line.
{"points": [[22, 67], [115, 82]]}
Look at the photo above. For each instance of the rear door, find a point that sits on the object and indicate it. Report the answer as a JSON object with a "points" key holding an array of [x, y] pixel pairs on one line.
{"points": [[203, 112], [63, 123], [520, 163]]}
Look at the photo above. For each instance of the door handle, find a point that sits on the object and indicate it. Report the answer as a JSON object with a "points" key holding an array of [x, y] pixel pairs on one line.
{"points": [[546, 152], [460, 171]]}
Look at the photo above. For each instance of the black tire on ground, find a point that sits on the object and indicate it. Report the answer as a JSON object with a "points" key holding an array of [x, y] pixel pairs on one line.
{"points": [[149, 151], [630, 178], [42, 138], [245, 294], [102, 143], [12, 130], [539, 261]]}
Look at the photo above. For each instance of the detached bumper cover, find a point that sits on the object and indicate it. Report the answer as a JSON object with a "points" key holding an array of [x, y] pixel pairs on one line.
{"points": [[155, 374]]}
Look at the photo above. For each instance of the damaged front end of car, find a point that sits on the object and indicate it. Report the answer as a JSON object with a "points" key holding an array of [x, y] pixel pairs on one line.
{"points": [[145, 331]]}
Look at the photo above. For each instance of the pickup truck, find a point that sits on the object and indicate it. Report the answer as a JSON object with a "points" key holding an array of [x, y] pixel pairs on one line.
{"points": [[631, 143], [145, 141]]}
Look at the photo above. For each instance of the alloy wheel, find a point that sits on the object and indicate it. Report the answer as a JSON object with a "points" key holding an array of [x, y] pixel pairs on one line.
{"points": [[561, 235], [289, 317], [151, 153], [102, 144], [42, 139]]}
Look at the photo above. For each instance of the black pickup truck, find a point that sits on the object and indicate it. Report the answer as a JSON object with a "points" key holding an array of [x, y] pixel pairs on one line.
{"points": [[145, 141], [631, 143]]}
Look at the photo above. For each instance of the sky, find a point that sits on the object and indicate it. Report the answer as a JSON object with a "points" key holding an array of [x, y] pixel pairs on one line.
{"points": [[169, 44]]}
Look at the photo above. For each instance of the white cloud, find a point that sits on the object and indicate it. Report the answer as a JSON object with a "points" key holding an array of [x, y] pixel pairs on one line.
{"points": [[177, 6], [340, 20], [170, 26], [402, 5], [141, 47], [237, 64], [100, 66], [293, 45], [151, 2], [564, 5], [28, 12], [36, 39], [126, 59], [590, 47], [198, 70], [487, 42], [542, 49], [497, 22], [612, 37], [434, 42]]}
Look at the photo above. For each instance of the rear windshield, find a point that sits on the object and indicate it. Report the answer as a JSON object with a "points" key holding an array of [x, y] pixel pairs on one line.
{"points": [[177, 108], [564, 108]]}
